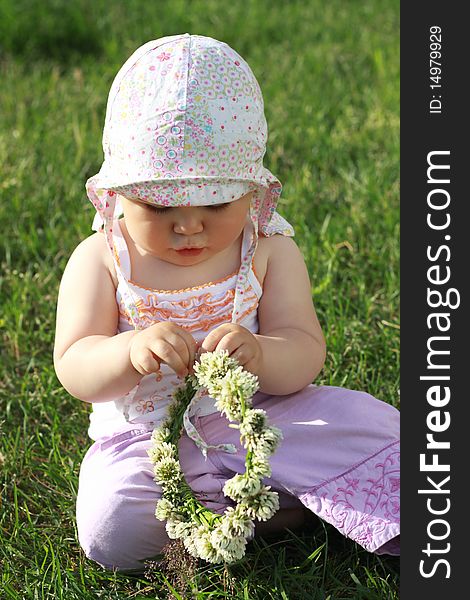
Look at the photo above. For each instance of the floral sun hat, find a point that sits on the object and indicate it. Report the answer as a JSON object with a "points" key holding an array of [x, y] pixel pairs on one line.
{"points": [[185, 126]]}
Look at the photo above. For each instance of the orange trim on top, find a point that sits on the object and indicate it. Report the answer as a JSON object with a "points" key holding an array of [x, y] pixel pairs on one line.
{"points": [[203, 316], [188, 289]]}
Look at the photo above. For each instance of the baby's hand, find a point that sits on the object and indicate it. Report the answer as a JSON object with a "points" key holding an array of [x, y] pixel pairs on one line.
{"points": [[163, 342], [240, 343]]}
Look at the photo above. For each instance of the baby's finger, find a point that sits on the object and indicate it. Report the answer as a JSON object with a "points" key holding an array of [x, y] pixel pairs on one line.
{"points": [[191, 346], [212, 340], [231, 341], [243, 354], [180, 341], [145, 362], [183, 343], [167, 354]]}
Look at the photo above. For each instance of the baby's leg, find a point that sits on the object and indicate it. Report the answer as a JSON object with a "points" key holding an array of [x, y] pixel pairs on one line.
{"points": [[116, 502], [117, 496], [339, 458]]}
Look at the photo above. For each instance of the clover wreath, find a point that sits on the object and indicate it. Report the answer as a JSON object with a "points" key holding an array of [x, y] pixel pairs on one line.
{"points": [[211, 536]]}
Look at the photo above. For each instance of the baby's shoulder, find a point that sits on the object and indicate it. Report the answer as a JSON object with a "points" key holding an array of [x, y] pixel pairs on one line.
{"points": [[93, 247], [271, 249], [276, 244], [93, 253]]}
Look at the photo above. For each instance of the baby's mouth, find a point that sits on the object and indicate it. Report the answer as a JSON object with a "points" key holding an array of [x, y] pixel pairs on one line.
{"points": [[189, 251]]}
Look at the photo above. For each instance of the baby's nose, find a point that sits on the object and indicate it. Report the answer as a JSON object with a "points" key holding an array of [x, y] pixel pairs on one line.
{"points": [[188, 225]]}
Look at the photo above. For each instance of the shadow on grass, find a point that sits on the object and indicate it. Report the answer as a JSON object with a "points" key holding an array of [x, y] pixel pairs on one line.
{"points": [[56, 30]]}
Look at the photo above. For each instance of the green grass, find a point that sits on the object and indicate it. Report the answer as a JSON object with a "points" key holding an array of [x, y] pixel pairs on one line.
{"points": [[330, 76]]}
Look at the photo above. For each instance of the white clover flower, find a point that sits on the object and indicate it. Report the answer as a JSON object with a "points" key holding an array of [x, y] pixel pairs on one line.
{"points": [[164, 510], [212, 366], [263, 505], [265, 444], [173, 494], [225, 539], [174, 524], [170, 527], [161, 450], [237, 523], [252, 427], [167, 471], [240, 486], [204, 545], [234, 551], [190, 543], [235, 391], [183, 529], [260, 466], [219, 539], [254, 422], [244, 383], [228, 404], [160, 435]]}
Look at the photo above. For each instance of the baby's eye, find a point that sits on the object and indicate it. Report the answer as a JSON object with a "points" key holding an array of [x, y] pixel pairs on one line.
{"points": [[161, 209], [217, 207]]}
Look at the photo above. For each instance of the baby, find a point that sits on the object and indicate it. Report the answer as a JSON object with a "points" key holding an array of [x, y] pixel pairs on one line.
{"points": [[190, 256]]}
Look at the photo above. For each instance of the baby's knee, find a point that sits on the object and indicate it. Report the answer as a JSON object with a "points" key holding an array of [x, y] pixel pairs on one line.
{"points": [[359, 407], [121, 534]]}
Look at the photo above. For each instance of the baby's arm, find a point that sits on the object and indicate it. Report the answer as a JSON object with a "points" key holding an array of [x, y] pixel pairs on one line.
{"points": [[93, 362], [90, 360], [290, 336], [289, 351]]}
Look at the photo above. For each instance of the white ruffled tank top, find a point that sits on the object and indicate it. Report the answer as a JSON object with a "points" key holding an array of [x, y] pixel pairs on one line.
{"points": [[197, 309]]}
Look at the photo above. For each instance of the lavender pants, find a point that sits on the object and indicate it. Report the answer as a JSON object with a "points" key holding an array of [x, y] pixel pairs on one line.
{"points": [[339, 458]]}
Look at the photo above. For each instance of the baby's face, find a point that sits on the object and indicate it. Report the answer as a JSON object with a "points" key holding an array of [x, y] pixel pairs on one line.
{"points": [[185, 235]]}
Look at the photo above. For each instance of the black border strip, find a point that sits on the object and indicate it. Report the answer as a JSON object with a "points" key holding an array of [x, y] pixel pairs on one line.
{"points": [[434, 269]]}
